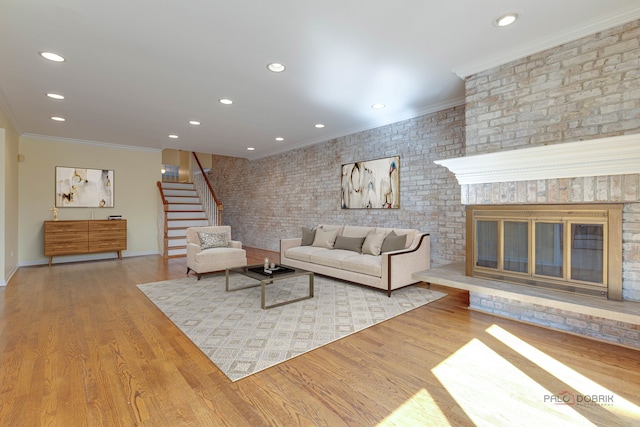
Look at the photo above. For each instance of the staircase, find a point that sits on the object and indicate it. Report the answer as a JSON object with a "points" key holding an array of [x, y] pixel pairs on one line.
{"points": [[184, 210]]}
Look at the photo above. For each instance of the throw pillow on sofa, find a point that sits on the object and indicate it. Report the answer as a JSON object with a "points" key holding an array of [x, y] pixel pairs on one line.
{"points": [[325, 238], [212, 240], [393, 242], [373, 243], [349, 243], [308, 234]]}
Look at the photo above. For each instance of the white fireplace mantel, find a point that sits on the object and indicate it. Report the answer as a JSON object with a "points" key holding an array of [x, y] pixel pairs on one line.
{"points": [[618, 155]]}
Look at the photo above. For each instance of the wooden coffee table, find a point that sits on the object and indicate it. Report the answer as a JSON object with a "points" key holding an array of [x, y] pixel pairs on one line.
{"points": [[281, 272]]}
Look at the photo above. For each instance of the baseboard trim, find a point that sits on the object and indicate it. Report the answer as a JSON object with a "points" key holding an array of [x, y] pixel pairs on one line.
{"points": [[81, 258]]}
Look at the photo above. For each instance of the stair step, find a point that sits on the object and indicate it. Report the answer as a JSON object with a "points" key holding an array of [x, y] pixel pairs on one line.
{"points": [[180, 199], [177, 232], [177, 242], [174, 252], [177, 185], [185, 207], [186, 215], [181, 193], [193, 222]]}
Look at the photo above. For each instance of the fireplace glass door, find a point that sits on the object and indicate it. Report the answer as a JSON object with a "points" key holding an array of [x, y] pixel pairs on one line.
{"points": [[560, 249], [550, 249]]}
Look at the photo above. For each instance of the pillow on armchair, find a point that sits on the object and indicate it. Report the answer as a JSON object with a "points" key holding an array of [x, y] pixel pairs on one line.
{"points": [[212, 240]]}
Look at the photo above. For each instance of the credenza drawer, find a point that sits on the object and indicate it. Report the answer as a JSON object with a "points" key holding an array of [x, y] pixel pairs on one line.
{"points": [[107, 245], [66, 248], [110, 225], [58, 227]]}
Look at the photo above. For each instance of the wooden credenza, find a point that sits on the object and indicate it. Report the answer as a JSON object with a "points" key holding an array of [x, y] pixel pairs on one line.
{"points": [[84, 236]]}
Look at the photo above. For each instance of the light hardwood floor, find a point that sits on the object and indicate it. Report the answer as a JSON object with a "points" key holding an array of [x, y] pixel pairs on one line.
{"points": [[80, 345]]}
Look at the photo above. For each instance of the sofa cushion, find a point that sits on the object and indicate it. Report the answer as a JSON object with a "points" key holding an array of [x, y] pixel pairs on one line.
{"points": [[365, 264], [213, 239], [308, 234], [219, 255], [393, 242], [325, 238], [303, 253], [330, 258], [349, 243], [373, 243]]}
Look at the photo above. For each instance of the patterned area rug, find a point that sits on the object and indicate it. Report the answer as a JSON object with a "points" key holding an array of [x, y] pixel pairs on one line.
{"points": [[241, 338]]}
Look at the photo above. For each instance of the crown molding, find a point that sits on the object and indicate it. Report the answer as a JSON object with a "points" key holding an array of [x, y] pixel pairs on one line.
{"points": [[97, 143], [604, 23], [617, 155]]}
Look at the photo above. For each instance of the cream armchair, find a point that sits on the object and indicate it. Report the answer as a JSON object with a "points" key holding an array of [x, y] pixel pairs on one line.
{"points": [[214, 258]]}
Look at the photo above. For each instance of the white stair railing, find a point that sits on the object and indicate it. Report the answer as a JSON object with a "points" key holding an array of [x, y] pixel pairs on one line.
{"points": [[210, 204], [162, 222]]}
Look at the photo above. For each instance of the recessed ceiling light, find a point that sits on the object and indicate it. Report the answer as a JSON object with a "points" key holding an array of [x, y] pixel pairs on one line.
{"points": [[55, 96], [52, 56], [319, 125], [378, 106], [226, 101], [250, 148], [194, 122], [58, 119], [279, 138], [276, 67], [506, 19], [172, 136]]}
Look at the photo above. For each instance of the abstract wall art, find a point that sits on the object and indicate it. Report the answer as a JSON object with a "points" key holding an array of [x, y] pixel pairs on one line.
{"points": [[371, 184], [84, 188]]}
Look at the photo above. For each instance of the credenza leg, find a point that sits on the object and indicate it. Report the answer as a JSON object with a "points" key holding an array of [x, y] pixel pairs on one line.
{"points": [[50, 260]]}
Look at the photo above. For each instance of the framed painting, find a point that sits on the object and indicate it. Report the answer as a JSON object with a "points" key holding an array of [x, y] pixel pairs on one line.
{"points": [[84, 188], [372, 184]]}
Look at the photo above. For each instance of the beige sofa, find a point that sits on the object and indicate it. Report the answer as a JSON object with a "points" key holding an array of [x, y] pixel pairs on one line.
{"points": [[387, 271]]}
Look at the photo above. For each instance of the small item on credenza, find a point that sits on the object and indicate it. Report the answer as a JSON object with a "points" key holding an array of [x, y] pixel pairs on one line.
{"points": [[272, 266], [55, 213], [115, 216], [266, 264]]}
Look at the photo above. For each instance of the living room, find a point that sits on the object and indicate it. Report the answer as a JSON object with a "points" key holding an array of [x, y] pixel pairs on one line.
{"points": [[589, 87]]}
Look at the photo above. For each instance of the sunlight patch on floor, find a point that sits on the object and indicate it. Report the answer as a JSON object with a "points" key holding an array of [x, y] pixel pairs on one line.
{"points": [[588, 391], [493, 392], [419, 410]]}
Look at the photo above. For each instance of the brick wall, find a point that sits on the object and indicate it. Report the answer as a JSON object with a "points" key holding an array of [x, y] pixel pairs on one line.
{"points": [[272, 198], [609, 330], [586, 89]]}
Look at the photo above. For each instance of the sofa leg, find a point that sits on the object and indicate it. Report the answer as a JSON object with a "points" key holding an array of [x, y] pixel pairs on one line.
{"points": [[389, 293], [198, 276]]}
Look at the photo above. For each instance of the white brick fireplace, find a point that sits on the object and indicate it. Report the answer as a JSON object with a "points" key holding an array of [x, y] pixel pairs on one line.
{"points": [[600, 171]]}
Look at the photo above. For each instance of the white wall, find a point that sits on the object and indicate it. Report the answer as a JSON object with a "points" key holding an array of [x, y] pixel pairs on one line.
{"points": [[136, 172], [8, 199]]}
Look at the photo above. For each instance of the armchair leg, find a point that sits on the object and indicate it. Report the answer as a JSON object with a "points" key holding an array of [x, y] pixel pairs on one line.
{"points": [[188, 270]]}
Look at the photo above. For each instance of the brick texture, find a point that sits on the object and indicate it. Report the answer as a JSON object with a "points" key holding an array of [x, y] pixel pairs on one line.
{"points": [[613, 331], [272, 198], [586, 89]]}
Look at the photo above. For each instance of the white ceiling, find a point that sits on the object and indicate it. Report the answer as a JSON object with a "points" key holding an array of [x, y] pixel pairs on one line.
{"points": [[137, 71]]}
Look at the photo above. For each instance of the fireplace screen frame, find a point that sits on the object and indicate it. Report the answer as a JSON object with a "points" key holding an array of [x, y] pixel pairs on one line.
{"points": [[608, 216]]}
